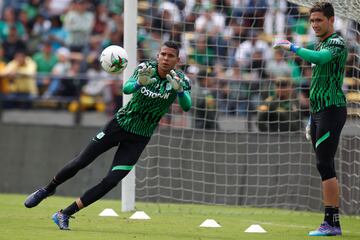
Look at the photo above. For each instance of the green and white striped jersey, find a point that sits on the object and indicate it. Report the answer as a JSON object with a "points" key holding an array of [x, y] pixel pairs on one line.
{"points": [[327, 79], [148, 104]]}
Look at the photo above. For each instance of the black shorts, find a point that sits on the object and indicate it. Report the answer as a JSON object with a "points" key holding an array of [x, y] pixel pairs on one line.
{"points": [[326, 127], [129, 148], [130, 145]]}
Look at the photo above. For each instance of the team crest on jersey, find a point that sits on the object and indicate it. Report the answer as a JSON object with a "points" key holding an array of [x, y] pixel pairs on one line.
{"points": [[100, 135], [168, 86]]}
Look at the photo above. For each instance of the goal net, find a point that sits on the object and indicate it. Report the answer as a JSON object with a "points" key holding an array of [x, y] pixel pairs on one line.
{"points": [[243, 142]]}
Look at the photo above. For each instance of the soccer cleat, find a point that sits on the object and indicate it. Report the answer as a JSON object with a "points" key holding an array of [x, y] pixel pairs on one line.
{"points": [[326, 230], [62, 220], [36, 197]]}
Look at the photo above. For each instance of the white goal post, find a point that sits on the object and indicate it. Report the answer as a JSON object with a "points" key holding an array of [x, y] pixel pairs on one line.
{"points": [[130, 40]]}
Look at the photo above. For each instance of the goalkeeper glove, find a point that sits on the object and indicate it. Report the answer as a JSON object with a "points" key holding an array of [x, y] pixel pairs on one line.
{"points": [[286, 45], [307, 130], [175, 81], [145, 74]]}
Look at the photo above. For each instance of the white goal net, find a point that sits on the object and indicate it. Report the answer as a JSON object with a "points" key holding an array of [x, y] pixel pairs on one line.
{"points": [[243, 142]]}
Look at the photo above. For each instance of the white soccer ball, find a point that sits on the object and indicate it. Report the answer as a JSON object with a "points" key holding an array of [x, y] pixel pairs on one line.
{"points": [[113, 59]]}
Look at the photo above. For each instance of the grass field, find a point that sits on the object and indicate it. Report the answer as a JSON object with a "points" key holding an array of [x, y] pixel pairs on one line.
{"points": [[168, 221]]}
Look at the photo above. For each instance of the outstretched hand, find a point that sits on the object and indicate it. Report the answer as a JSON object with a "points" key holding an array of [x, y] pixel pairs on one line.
{"points": [[175, 81], [145, 75], [285, 45]]}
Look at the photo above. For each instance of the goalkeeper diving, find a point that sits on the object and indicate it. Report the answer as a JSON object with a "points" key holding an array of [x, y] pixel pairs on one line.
{"points": [[327, 105], [155, 85]]}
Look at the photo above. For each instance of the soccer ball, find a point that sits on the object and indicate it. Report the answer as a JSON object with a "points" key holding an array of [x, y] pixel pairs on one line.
{"points": [[113, 59]]}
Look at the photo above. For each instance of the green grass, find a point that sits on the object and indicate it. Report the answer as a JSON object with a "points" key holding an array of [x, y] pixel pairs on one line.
{"points": [[168, 221]]}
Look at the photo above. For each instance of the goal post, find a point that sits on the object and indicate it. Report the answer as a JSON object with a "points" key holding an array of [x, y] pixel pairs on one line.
{"points": [[130, 40]]}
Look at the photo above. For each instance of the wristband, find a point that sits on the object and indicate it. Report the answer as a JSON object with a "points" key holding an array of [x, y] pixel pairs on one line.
{"points": [[180, 94], [137, 85], [294, 48]]}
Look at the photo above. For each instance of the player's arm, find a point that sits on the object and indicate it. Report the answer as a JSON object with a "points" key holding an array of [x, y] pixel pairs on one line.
{"points": [[129, 86], [141, 76], [184, 100], [317, 57], [183, 90]]}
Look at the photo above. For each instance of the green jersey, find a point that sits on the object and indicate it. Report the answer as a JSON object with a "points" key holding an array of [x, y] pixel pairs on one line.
{"points": [[148, 104], [327, 78]]}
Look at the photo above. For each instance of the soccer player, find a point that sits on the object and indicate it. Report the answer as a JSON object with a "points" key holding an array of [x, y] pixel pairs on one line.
{"points": [[155, 85], [327, 105]]}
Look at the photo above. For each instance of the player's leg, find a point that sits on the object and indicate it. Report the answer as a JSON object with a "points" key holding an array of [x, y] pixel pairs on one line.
{"points": [[327, 135], [125, 158], [102, 142]]}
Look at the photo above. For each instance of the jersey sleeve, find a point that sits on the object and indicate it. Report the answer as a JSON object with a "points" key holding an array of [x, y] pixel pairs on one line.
{"points": [[317, 57], [335, 47], [332, 49], [185, 99]]}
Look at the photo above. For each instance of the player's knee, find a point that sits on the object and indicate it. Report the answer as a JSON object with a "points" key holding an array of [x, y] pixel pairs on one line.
{"points": [[326, 170], [114, 178]]}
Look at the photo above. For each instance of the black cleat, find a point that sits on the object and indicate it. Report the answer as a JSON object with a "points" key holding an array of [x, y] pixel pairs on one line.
{"points": [[36, 197]]}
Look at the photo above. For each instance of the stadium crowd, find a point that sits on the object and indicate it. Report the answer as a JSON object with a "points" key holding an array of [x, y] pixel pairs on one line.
{"points": [[49, 51]]}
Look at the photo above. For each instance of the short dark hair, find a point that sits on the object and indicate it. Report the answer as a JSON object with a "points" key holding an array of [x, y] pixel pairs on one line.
{"points": [[174, 45], [325, 7]]}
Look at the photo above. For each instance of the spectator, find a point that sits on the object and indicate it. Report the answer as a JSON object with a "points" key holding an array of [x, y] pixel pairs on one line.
{"points": [[240, 92], [56, 7], [72, 82], [210, 21], [277, 67], [39, 30], [245, 50], [101, 20], [192, 11], [4, 82], [292, 13], [10, 22], [114, 6], [56, 34], [234, 34], [31, 8], [78, 22], [115, 32], [254, 14], [61, 69], [97, 91], [282, 111], [205, 102], [275, 18], [45, 61], [172, 10], [202, 54], [21, 73], [150, 43], [12, 44]]}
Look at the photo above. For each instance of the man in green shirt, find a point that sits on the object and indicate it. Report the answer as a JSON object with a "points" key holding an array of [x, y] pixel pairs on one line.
{"points": [[327, 104], [155, 85]]}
